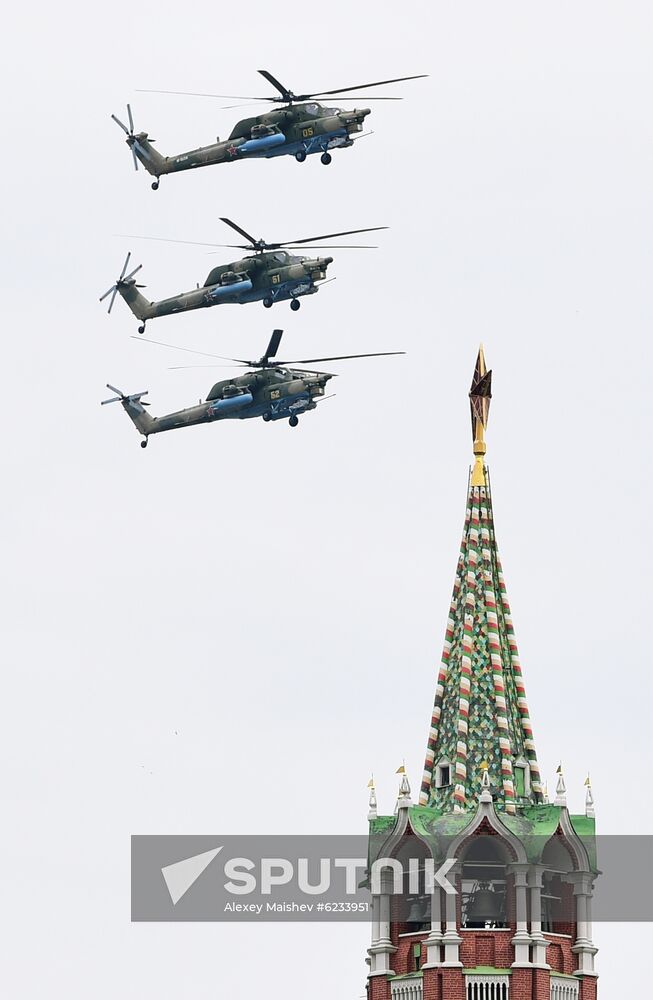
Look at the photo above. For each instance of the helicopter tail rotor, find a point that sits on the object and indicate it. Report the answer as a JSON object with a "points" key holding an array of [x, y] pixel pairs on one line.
{"points": [[133, 405], [141, 146], [121, 397], [123, 283]]}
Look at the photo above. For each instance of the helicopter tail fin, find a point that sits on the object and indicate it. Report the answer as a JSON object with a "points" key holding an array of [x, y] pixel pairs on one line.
{"points": [[138, 304], [135, 409], [146, 154]]}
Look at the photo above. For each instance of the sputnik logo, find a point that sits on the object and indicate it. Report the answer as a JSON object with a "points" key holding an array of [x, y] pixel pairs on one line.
{"points": [[180, 876]]}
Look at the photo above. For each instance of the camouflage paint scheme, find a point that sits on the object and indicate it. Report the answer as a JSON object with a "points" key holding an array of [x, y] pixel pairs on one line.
{"points": [[270, 276], [298, 131], [273, 394]]}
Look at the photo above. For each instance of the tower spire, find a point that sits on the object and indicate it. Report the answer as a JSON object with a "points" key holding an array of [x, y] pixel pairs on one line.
{"points": [[480, 395], [480, 712]]}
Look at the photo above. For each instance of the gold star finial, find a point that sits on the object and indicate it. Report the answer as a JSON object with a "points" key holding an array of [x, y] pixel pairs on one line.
{"points": [[480, 395]]}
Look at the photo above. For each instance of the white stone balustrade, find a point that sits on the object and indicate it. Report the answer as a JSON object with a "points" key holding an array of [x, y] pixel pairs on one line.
{"points": [[487, 987], [406, 988], [564, 989]]}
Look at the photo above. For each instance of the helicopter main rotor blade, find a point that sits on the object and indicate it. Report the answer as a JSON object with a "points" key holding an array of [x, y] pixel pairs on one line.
{"points": [[122, 126], [188, 350], [131, 120], [361, 86], [340, 357], [326, 236], [285, 93], [334, 246], [253, 104], [238, 229], [180, 368], [135, 159], [273, 346], [192, 243], [222, 97]]}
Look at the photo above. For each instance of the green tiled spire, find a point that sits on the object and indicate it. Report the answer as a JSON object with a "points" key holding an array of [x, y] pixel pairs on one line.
{"points": [[480, 715]]}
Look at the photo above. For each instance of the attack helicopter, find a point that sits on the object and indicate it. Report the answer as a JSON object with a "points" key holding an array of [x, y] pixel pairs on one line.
{"points": [[270, 275], [272, 391], [301, 127]]}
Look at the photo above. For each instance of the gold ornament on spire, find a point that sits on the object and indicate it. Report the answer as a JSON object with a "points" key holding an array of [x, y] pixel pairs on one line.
{"points": [[480, 395]]}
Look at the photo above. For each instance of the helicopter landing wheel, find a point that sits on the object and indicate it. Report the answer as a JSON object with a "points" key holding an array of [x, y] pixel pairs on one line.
{"points": [[294, 420], [267, 303], [326, 159], [144, 443], [300, 155], [141, 328], [295, 304], [155, 185], [266, 417]]}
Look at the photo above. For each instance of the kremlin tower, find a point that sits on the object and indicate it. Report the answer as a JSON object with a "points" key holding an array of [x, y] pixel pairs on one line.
{"points": [[487, 891]]}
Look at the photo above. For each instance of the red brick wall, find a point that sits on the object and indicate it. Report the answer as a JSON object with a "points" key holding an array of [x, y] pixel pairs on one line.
{"points": [[487, 948], [588, 988], [521, 984], [432, 984], [560, 956], [379, 988], [402, 960], [453, 984]]}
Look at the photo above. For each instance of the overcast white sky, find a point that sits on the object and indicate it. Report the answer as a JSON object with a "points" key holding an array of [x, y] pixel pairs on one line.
{"points": [[279, 597]]}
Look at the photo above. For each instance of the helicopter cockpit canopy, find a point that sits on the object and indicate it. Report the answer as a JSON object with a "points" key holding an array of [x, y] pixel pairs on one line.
{"points": [[318, 111]]}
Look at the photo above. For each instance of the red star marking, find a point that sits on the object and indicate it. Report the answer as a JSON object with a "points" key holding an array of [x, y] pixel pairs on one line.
{"points": [[232, 150]]}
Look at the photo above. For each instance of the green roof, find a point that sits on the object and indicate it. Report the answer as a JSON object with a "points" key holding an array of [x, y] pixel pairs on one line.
{"points": [[486, 970], [533, 826]]}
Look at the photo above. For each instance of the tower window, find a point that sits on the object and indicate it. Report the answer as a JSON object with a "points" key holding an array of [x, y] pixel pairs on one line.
{"points": [[417, 956], [443, 775], [522, 776]]}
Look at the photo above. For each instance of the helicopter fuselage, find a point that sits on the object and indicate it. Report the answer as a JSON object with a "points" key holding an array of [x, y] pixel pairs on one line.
{"points": [[271, 276], [273, 394], [296, 130]]}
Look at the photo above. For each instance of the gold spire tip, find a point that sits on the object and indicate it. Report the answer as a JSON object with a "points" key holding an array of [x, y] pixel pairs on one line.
{"points": [[480, 395]]}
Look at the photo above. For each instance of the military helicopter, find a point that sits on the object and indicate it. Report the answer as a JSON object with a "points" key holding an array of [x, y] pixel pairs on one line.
{"points": [[273, 391], [297, 129], [270, 274]]}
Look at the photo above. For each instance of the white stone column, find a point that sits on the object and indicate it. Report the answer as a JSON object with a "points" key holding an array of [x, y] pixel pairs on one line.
{"points": [[434, 940], [583, 945], [451, 938], [376, 919], [522, 939], [539, 943], [384, 919], [382, 948]]}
